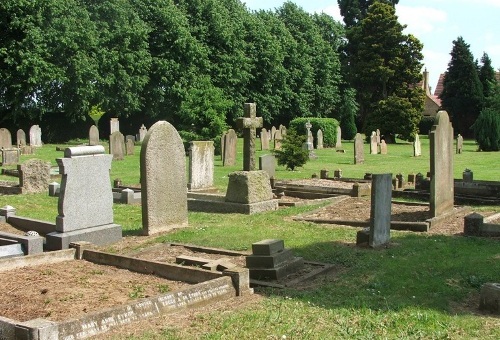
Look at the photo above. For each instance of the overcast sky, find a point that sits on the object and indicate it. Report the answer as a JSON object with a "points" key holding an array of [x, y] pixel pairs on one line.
{"points": [[436, 23]]}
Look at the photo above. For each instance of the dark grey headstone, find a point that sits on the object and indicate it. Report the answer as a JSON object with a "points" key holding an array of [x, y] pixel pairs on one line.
{"points": [[201, 165], [380, 212], [268, 164]]}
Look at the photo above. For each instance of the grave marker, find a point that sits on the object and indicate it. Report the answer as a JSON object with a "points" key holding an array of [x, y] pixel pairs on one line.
{"points": [[338, 138], [35, 136], [34, 176], [380, 212], [201, 165], [249, 123], [282, 129], [373, 143], [93, 135], [10, 156], [319, 138], [129, 147], [273, 132], [268, 164], [264, 139], [117, 145], [383, 147], [142, 132], [229, 148], [21, 138], [417, 148], [278, 138], [460, 143], [114, 125], [359, 152], [5, 139], [163, 180]]}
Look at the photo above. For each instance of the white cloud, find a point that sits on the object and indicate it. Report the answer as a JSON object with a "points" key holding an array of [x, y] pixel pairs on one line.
{"points": [[436, 63], [332, 11], [421, 20]]}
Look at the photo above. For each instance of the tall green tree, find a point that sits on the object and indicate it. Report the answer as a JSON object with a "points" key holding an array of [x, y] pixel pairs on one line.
{"points": [[353, 11], [487, 75], [462, 94]]}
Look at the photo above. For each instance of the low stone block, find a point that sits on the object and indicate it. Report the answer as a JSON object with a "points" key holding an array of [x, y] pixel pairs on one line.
{"points": [[278, 272], [267, 247], [269, 261], [362, 237], [101, 235], [11, 250], [490, 297], [249, 187], [241, 280], [472, 224]]}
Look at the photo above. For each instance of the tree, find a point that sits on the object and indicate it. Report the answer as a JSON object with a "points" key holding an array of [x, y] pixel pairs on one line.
{"points": [[462, 94], [353, 11], [487, 130], [487, 75], [292, 154]]}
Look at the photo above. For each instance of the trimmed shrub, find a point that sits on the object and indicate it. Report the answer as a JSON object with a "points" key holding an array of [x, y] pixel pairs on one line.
{"points": [[291, 154], [327, 125], [425, 125], [487, 130]]}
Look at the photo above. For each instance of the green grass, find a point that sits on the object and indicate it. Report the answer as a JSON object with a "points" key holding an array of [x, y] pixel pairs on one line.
{"points": [[423, 286]]}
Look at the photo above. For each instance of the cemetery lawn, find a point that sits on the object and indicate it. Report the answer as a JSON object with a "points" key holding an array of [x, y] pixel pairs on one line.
{"points": [[423, 285]]}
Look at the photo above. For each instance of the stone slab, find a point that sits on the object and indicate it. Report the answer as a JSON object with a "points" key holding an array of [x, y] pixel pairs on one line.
{"points": [[380, 212], [30, 244], [268, 247], [279, 272], [101, 235], [269, 261], [217, 204], [11, 250]]}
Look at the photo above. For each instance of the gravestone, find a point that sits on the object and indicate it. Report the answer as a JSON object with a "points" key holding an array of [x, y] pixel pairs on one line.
{"points": [[308, 145], [417, 148], [142, 132], [373, 143], [249, 123], [10, 156], [117, 145], [377, 132], [35, 136], [163, 180], [441, 161], [130, 137], [380, 212], [21, 138], [282, 129], [267, 163], [278, 138], [247, 187], [383, 147], [319, 139], [34, 176], [264, 139], [229, 149], [85, 206], [114, 125], [129, 147], [359, 152], [201, 165], [460, 143], [338, 138], [5, 139], [273, 132], [93, 135]]}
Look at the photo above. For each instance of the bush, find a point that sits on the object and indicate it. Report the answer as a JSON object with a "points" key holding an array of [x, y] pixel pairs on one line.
{"points": [[425, 125], [327, 125], [291, 154], [487, 130], [348, 126]]}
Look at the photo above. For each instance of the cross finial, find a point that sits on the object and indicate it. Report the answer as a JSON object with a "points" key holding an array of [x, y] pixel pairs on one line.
{"points": [[249, 123]]}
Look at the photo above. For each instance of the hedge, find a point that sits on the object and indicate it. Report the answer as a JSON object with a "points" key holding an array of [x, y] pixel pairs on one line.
{"points": [[327, 125]]}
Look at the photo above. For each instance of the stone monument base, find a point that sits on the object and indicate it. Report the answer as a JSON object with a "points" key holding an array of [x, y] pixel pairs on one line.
{"points": [[217, 204], [100, 235]]}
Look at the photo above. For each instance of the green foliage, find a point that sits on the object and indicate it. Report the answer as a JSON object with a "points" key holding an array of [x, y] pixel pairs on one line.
{"points": [[96, 113], [487, 76], [487, 130], [355, 11], [462, 94], [348, 111], [425, 125], [292, 155], [327, 125]]}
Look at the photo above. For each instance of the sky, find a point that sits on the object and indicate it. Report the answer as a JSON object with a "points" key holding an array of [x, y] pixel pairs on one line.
{"points": [[436, 23]]}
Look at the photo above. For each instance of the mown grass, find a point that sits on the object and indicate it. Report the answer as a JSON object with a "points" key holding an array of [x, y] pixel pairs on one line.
{"points": [[422, 286]]}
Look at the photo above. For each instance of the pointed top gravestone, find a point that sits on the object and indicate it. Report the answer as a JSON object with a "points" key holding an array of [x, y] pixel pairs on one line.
{"points": [[417, 148], [264, 139], [249, 123], [114, 125], [5, 139], [35, 136], [229, 143], [441, 161], [359, 153], [163, 180], [383, 147], [338, 138], [93, 135], [377, 133], [117, 145], [319, 138], [21, 138]]}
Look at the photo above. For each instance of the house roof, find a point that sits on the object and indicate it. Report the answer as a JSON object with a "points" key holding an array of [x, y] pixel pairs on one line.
{"points": [[439, 86]]}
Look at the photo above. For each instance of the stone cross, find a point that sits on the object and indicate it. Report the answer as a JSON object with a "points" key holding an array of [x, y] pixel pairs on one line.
{"points": [[309, 134], [249, 123]]}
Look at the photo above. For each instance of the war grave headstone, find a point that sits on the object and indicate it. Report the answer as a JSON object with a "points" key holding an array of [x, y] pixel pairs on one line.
{"points": [[129, 147], [373, 143], [201, 165], [35, 136], [264, 139], [268, 164], [34, 176], [163, 180], [319, 138], [229, 149], [249, 123], [5, 139], [142, 133], [417, 148], [460, 144], [278, 138], [21, 138], [114, 125], [273, 132], [338, 138], [359, 152], [117, 145], [441, 164], [383, 147], [93, 135], [379, 231]]}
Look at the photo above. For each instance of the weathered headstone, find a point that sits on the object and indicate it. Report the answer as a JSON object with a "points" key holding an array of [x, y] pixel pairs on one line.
{"points": [[249, 123], [460, 143], [359, 152], [114, 125], [282, 129], [93, 135], [308, 145], [131, 137], [129, 147], [380, 212], [319, 139], [35, 136], [117, 145], [229, 149], [142, 133], [163, 180], [417, 148], [10, 156], [268, 164], [21, 138], [5, 139], [34, 176], [377, 133], [278, 138], [338, 138], [273, 132], [383, 147], [441, 162], [264, 139], [373, 143], [201, 165]]}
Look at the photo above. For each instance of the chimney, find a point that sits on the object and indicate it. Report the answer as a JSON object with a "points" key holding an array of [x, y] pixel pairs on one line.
{"points": [[426, 83]]}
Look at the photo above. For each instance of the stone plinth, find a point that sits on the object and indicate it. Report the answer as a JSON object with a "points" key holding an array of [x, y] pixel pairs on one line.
{"points": [[248, 187]]}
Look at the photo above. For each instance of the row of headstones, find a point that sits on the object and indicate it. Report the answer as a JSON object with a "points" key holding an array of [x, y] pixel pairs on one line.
{"points": [[119, 145], [35, 135], [273, 135]]}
